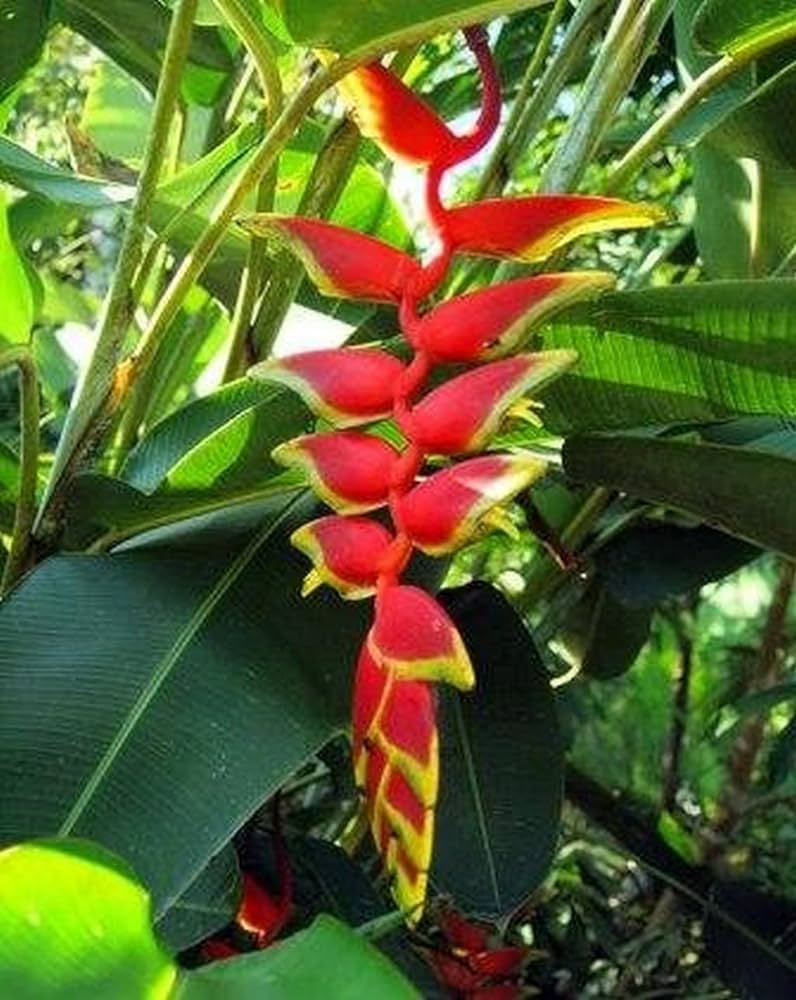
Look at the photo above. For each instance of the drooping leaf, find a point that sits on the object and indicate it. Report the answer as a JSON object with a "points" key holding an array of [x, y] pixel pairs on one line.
{"points": [[344, 27], [733, 27], [678, 354], [743, 491], [501, 763], [202, 681], [31, 173]]}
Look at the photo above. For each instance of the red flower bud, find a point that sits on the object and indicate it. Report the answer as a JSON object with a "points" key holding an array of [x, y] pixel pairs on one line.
{"points": [[396, 764], [532, 228], [349, 471], [495, 321], [345, 551], [388, 112], [346, 386], [454, 505], [463, 414], [341, 262], [260, 913], [414, 637]]}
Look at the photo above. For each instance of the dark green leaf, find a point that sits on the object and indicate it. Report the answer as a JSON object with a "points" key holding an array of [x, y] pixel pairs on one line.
{"points": [[209, 902], [501, 763], [24, 28], [678, 354], [342, 25], [745, 492], [604, 635], [191, 685]]}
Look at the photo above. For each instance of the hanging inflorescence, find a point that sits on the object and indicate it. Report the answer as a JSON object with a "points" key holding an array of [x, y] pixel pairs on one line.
{"points": [[412, 643]]}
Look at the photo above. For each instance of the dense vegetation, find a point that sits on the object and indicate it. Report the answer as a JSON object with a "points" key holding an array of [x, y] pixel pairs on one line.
{"points": [[615, 814]]}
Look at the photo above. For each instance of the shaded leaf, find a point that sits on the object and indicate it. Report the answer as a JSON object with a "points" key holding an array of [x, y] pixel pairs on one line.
{"points": [[501, 763], [745, 492], [209, 902], [25, 24]]}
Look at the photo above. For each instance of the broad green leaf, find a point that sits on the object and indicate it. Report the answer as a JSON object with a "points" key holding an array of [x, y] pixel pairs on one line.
{"points": [[502, 762], [344, 26], [75, 923], [31, 173], [192, 683], [679, 354], [603, 636], [133, 33], [209, 902], [24, 29], [742, 24], [745, 492], [167, 444], [16, 295], [326, 960]]}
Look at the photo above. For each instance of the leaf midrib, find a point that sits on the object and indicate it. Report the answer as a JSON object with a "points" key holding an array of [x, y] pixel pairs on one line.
{"points": [[165, 666]]}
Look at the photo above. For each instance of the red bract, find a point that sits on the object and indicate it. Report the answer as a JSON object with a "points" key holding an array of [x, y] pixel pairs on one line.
{"points": [[396, 765], [260, 913], [415, 639], [495, 321], [340, 262], [456, 504], [348, 470], [464, 413], [346, 386], [413, 643], [387, 111], [532, 228], [345, 551]]}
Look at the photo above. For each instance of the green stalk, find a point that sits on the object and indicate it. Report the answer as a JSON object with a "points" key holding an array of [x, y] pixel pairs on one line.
{"points": [[97, 380], [633, 31], [490, 181], [256, 41], [24, 517]]}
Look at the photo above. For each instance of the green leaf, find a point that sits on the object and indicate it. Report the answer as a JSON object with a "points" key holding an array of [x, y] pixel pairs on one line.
{"points": [[9, 486], [326, 960], [202, 682], [209, 902], [117, 113], [75, 923], [31, 173], [342, 25], [16, 295], [733, 27], [679, 354], [603, 635], [743, 491], [24, 29], [502, 763], [133, 33]]}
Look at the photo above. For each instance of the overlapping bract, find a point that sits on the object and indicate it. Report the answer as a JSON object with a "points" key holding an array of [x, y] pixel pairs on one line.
{"points": [[413, 644]]}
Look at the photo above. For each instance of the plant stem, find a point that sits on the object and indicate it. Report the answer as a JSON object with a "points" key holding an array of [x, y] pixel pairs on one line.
{"points": [[17, 558], [256, 41], [97, 379], [492, 178], [633, 30]]}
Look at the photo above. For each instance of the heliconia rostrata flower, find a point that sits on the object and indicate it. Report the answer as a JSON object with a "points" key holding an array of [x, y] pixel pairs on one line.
{"points": [[413, 644]]}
